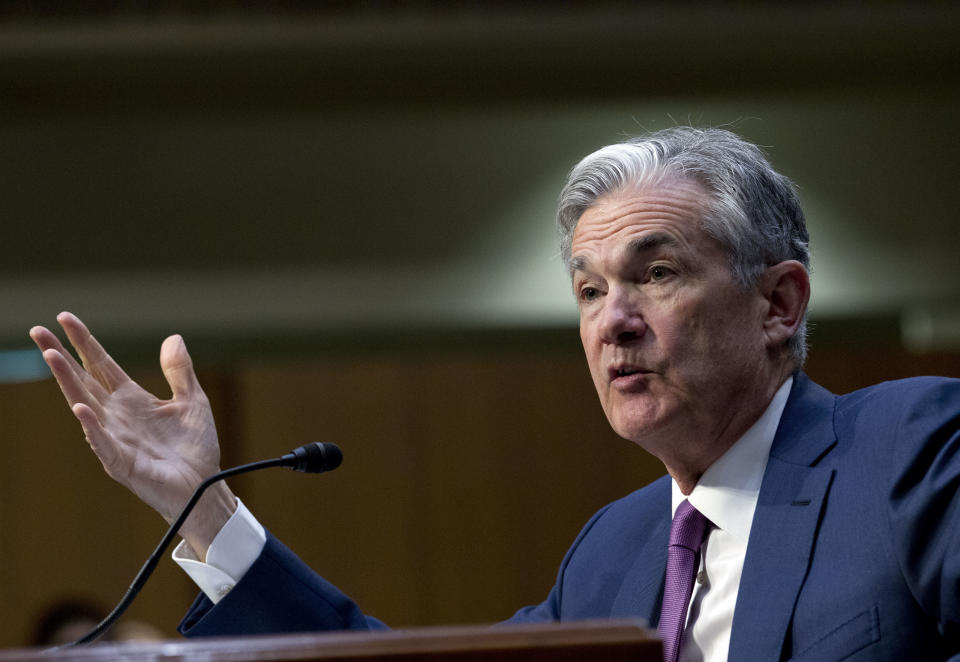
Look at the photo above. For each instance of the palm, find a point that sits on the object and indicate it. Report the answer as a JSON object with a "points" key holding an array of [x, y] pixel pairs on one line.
{"points": [[159, 449], [163, 447]]}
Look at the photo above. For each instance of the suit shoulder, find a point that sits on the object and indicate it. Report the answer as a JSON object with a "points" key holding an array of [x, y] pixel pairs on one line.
{"points": [[618, 530], [648, 502], [905, 416], [900, 395], [635, 512]]}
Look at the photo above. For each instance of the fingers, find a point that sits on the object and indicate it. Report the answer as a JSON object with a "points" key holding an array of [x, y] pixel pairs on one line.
{"points": [[178, 367], [110, 455], [71, 382], [45, 339], [95, 359]]}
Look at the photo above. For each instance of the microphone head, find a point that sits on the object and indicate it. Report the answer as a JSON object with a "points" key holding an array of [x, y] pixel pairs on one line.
{"points": [[315, 458]]}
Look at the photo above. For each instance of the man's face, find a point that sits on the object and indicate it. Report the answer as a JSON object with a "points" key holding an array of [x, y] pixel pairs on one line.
{"points": [[675, 346]]}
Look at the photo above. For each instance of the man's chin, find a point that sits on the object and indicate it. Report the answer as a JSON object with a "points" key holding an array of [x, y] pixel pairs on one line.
{"points": [[643, 426], [641, 434]]}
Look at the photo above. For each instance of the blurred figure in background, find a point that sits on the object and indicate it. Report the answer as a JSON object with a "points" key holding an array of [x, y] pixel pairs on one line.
{"points": [[68, 619]]}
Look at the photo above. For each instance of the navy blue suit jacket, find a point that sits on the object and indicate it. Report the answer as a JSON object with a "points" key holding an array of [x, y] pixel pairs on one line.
{"points": [[854, 553]]}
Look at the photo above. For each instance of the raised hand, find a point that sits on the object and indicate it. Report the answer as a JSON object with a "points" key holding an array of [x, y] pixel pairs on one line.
{"points": [[159, 449]]}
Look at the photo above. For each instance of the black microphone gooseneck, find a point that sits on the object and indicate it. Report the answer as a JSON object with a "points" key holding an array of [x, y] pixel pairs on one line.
{"points": [[312, 458]]}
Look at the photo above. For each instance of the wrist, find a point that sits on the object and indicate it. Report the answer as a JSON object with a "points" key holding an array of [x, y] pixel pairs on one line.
{"points": [[215, 507]]}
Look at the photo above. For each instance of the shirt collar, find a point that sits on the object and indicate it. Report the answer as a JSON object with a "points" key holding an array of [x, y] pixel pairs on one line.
{"points": [[728, 490]]}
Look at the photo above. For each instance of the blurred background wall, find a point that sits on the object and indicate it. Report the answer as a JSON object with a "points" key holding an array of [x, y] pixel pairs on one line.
{"points": [[346, 208]]}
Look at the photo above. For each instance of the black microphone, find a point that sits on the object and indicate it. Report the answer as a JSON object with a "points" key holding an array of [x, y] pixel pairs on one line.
{"points": [[313, 458]]}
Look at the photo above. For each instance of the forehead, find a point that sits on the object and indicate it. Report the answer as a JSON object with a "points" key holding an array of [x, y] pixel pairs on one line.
{"points": [[667, 213]]}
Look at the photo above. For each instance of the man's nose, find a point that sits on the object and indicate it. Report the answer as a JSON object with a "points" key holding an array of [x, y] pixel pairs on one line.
{"points": [[621, 320]]}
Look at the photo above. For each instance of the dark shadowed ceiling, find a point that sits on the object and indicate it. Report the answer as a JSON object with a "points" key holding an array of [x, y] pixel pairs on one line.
{"points": [[233, 170]]}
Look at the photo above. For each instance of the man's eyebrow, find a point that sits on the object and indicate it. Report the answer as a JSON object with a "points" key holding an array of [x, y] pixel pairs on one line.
{"points": [[578, 263], [652, 241], [639, 245]]}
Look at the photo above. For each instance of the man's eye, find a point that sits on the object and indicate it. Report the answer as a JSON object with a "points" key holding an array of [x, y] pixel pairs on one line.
{"points": [[659, 272], [589, 293]]}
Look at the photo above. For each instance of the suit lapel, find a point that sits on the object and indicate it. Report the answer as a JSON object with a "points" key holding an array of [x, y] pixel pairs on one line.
{"points": [[778, 554], [783, 534], [642, 589]]}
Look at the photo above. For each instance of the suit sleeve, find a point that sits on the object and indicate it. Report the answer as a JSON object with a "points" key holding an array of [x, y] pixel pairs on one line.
{"points": [[925, 501], [279, 593], [550, 609]]}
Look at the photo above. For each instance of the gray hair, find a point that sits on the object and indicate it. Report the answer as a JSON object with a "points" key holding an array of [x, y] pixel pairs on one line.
{"points": [[753, 212]]}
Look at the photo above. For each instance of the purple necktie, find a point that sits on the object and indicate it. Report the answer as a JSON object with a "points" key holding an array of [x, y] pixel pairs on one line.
{"points": [[686, 535]]}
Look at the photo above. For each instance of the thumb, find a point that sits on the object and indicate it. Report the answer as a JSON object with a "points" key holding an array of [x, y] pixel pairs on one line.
{"points": [[177, 367]]}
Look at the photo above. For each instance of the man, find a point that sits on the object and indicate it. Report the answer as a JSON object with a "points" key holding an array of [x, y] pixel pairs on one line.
{"points": [[818, 527]]}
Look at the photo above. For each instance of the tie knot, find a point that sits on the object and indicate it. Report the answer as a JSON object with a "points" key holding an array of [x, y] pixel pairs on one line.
{"points": [[688, 528]]}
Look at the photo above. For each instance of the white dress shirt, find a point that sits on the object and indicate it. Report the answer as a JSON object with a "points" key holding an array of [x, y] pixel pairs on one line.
{"points": [[233, 550], [726, 494]]}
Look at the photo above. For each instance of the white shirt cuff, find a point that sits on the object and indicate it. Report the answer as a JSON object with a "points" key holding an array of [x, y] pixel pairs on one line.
{"points": [[234, 549]]}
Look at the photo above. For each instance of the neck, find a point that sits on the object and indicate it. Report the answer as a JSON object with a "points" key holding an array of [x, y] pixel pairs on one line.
{"points": [[688, 461]]}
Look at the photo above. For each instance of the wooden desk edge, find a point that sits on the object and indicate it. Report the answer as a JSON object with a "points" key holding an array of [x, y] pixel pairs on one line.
{"points": [[433, 642]]}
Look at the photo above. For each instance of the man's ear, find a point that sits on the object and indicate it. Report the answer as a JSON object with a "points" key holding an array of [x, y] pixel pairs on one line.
{"points": [[786, 289]]}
